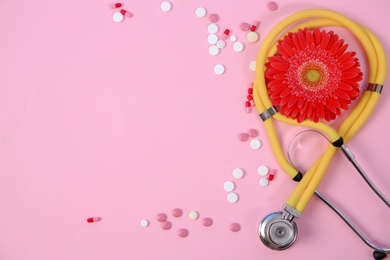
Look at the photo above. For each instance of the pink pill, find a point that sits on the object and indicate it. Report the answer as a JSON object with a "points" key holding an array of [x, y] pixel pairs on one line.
{"points": [[183, 232], [166, 225], [245, 27], [207, 222], [177, 212], [126, 13], [235, 227], [252, 132], [243, 137], [115, 5], [272, 6], [93, 219], [213, 18], [161, 217]]}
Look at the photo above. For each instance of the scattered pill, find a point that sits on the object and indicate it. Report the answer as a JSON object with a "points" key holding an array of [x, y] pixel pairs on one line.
{"points": [[252, 37], [221, 44], [245, 27], [115, 5], [212, 38], [93, 219], [213, 18], [238, 46], [207, 222], [183, 232], [264, 182], [228, 186], [255, 144], [271, 175], [249, 97], [161, 217], [252, 66], [263, 170], [250, 88], [272, 6], [166, 225], [225, 34], [238, 173], [219, 69], [117, 17], [200, 12], [125, 13], [144, 223], [232, 197], [235, 227], [252, 132], [213, 50], [177, 212], [193, 215], [254, 26], [248, 106], [233, 38], [212, 28], [243, 137], [166, 6]]}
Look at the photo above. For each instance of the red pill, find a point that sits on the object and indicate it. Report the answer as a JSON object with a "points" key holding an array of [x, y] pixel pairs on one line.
{"points": [[207, 222], [115, 5], [249, 97], [161, 217], [235, 227], [250, 91], [166, 225], [243, 137], [271, 175], [248, 107], [252, 132], [254, 26], [183, 232], [93, 219], [177, 212], [126, 13], [225, 34]]}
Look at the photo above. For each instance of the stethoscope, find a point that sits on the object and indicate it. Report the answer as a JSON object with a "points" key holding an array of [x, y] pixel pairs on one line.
{"points": [[278, 230]]}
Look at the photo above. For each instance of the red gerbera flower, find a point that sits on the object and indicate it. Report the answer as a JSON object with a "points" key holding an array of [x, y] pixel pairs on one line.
{"points": [[312, 76]]}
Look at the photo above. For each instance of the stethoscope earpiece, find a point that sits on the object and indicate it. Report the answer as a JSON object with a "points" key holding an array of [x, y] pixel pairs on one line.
{"points": [[379, 255]]}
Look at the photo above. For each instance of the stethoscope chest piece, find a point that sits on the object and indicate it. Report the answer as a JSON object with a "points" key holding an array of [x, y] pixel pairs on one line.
{"points": [[276, 232]]}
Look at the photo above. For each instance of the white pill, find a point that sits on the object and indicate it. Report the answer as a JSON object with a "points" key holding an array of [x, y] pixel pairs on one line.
{"points": [[117, 17], [238, 173], [144, 223], [213, 50], [233, 38], [228, 186], [193, 215], [232, 197], [255, 144], [200, 12], [221, 44], [252, 37], [263, 182], [212, 28], [238, 46], [166, 6], [263, 170], [212, 38], [219, 69], [252, 66]]}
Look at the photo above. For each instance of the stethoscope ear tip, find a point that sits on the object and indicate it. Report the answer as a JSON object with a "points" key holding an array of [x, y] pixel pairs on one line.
{"points": [[379, 255]]}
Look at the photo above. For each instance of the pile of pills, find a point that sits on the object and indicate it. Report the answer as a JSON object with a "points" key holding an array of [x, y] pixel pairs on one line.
{"points": [[255, 143], [266, 174], [118, 16]]}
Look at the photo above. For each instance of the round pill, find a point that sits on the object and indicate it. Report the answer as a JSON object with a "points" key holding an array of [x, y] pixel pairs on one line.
{"points": [[144, 223], [221, 44], [117, 17], [235, 227], [252, 132], [213, 18], [200, 12], [228, 186], [212, 38], [252, 66], [207, 222], [166, 6], [272, 6], [263, 182], [213, 50], [243, 137], [212, 28], [166, 225], [177, 212], [245, 27], [238, 173], [263, 170], [161, 217], [233, 38], [252, 37], [183, 232], [193, 215], [219, 69], [255, 144], [232, 197], [238, 46]]}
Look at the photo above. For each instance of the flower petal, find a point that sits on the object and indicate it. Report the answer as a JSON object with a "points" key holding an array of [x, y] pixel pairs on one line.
{"points": [[325, 41], [317, 36], [280, 65]]}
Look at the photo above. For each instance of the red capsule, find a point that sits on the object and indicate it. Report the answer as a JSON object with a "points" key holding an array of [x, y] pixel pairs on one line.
{"points": [[225, 34], [271, 175], [254, 26], [248, 107], [93, 219], [250, 91], [249, 97], [115, 5], [126, 13]]}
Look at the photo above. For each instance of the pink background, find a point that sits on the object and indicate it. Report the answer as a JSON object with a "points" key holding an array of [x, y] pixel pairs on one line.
{"points": [[127, 120]]}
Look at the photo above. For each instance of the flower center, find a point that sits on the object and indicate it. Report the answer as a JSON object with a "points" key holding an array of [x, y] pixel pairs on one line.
{"points": [[313, 76]]}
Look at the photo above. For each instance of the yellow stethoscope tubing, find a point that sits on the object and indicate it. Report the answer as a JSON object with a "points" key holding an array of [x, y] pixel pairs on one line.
{"points": [[323, 163]]}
